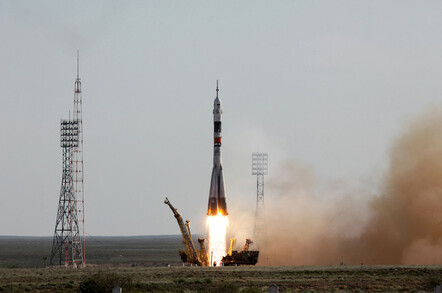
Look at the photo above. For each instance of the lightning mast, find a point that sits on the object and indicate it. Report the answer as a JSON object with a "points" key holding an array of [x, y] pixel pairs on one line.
{"points": [[78, 156], [68, 246], [259, 168]]}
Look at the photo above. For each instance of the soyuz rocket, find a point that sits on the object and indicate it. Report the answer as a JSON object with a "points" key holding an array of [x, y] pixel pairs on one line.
{"points": [[217, 194]]}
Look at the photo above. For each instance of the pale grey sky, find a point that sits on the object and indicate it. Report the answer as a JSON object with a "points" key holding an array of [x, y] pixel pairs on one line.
{"points": [[328, 84]]}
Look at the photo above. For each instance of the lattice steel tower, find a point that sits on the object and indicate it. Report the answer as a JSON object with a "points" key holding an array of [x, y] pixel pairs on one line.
{"points": [[259, 168], [68, 246]]}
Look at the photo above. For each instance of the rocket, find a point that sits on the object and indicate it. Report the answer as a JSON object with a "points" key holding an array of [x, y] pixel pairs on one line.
{"points": [[217, 194]]}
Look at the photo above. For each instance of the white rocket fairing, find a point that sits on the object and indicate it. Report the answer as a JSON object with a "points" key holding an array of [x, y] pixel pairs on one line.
{"points": [[217, 195]]}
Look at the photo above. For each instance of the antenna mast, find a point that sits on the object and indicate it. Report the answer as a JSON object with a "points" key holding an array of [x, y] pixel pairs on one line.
{"points": [[68, 246], [78, 157]]}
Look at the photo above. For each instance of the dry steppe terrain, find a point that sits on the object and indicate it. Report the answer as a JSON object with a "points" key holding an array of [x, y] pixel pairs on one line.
{"points": [[140, 264], [225, 279]]}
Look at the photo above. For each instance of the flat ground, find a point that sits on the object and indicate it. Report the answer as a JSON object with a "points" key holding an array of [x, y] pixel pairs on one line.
{"points": [[34, 252], [225, 279], [139, 264]]}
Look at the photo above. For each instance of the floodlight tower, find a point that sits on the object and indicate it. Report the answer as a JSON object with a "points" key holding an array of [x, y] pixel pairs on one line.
{"points": [[66, 245], [68, 242], [259, 168]]}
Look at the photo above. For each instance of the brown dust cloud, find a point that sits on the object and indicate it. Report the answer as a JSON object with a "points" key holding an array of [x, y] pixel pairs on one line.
{"points": [[399, 224]]}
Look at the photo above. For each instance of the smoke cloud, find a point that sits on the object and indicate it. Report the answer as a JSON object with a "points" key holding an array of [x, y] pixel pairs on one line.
{"points": [[308, 225]]}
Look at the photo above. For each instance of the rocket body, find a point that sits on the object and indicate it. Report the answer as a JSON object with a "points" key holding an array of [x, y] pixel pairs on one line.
{"points": [[217, 194]]}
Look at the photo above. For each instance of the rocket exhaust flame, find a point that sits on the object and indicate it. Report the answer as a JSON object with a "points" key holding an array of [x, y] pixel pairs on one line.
{"points": [[217, 226]]}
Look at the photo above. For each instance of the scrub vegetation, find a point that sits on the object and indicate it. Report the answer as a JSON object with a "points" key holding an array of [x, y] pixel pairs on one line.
{"points": [[223, 279], [140, 264]]}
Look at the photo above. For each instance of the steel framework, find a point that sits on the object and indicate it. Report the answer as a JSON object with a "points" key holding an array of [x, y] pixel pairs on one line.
{"points": [[78, 157], [259, 168], [68, 246]]}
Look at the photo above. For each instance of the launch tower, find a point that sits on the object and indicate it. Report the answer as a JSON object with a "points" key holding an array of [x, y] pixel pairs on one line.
{"points": [[68, 246], [259, 168]]}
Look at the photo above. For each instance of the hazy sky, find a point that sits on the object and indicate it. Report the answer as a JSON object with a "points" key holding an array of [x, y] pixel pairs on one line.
{"points": [[328, 84]]}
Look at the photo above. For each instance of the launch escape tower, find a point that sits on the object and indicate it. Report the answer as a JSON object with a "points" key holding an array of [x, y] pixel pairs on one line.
{"points": [[259, 168], [68, 246]]}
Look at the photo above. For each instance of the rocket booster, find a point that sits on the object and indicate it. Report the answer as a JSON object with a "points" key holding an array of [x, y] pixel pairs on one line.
{"points": [[217, 195]]}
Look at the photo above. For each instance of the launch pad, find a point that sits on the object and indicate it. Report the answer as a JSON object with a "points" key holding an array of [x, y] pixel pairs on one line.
{"points": [[200, 257]]}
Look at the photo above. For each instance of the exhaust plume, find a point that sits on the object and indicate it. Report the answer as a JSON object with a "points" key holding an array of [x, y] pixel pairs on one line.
{"points": [[402, 224]]}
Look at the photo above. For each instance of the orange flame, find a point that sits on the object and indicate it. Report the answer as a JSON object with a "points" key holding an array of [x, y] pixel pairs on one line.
{"points": [[217, 226]]}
